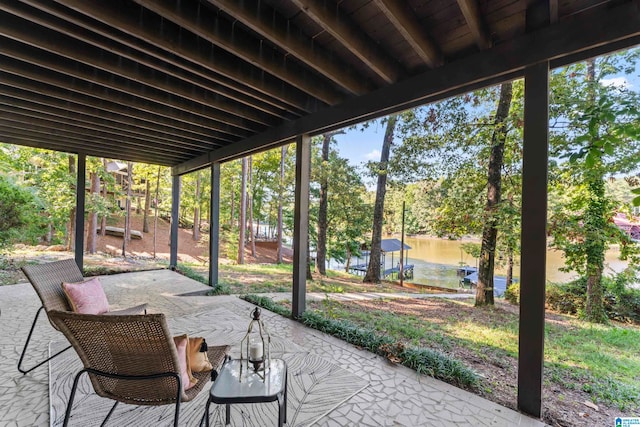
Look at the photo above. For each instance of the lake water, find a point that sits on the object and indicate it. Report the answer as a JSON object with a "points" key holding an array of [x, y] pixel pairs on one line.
{"points": [[436, 260]]}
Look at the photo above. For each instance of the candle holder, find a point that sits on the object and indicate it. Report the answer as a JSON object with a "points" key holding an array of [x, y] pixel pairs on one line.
{"points": [[256, 345]]}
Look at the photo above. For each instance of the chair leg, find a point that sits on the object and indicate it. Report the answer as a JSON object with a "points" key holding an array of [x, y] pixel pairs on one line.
{"points": [[113, 408], [178, 399], [26, 344], [67, 413]]}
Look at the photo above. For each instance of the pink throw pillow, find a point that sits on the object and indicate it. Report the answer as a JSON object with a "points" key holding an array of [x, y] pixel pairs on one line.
{"points": [[86, 297], [188, 381]]}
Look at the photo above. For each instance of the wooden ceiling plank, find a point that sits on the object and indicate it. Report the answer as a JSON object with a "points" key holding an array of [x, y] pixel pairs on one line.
{"points": [[131, 48], [269, 24], [553, 11], [62, 145], [412, 31], [575, 39], [82, 142], [125, 93], [82, 121], [79, 132], [205, 24], [471, 11], [349, 35], [246, 81], [57, 41], [45, 104], [23, 85]]}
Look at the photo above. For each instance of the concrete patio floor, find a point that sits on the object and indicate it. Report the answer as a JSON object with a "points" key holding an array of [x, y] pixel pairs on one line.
{"points": [[396, 396]]}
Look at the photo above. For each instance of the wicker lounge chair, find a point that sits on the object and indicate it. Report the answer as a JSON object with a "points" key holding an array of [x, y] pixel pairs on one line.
{"points": [[47, 281], [131, 359]]}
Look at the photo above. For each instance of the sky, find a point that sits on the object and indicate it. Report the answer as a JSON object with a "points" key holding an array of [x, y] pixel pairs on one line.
{"points": [[360, 145]]}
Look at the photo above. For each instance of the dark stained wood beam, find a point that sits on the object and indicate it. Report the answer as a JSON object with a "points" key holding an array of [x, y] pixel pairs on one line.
{"points": [[345, 31], [300, 244], [206, 24], [574, 39], [265, 21], [553, 11], [29, 113], [120, 90], [82, 137], [535, 163], [155, 86], [220, 68], [34, 84], [60, 143], [471, 11], [81, 183], [53, 106], [129, 47], [412, 31]]}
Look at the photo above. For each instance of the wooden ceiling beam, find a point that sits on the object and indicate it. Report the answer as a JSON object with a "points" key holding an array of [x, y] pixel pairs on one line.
{"points": [[347, 33], [158, 85], [117, 90], [412, 31], [205, 24], [577, 38], [129, 47], [471, 11], [265, 21], [73, 118], [24, 85], [89, 134], [553, 11], [241, 78], [80, 142], [53, 105], [62, 145]]}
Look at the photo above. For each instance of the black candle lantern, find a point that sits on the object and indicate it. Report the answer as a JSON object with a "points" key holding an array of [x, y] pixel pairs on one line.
{"points": [[256, 345]]}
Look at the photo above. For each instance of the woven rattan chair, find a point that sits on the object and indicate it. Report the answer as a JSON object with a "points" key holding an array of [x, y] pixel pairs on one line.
{"points": [[131, 359], [47, 281]]}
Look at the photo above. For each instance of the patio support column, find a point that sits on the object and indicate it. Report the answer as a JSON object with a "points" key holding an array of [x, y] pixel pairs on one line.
{"points": [[214, 225], [81, 178], [535, 160], [175, 212], [301, 224]]}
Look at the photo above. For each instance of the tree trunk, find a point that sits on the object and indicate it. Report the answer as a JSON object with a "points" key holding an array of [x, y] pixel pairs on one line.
{"points": [[484, 291], [155, 218], [71, 225], [373, 269], [147, 206], [196, 210], [252, 234], [92, 231], [127, 215], [509, 266], [243, 211], [595, 219], [321, 251], [105, 196], [283, 153], [233, 203]]}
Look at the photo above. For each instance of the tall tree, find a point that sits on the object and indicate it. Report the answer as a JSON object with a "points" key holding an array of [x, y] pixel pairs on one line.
{"points": [[92, 231], [373, 269], [196, 210], [597, 127], [155, 216], [71, 225], [127, 210], [243, 211], [147, 204], [283, 155], [484, 291], [252, 233], [321, 247]]}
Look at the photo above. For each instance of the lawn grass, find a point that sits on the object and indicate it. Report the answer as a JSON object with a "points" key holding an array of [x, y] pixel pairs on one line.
{"points": [[602, 360]]}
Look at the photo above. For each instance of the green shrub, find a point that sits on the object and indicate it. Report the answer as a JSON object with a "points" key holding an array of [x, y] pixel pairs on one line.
{"points": [[512, 294], [422, 360], [20, 218], [569, 298]]}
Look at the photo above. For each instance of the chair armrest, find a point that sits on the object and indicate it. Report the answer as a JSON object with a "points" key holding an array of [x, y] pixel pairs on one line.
{"points": [[138, 309]]}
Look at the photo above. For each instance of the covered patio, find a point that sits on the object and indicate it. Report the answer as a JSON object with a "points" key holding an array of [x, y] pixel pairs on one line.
{"points": [[193, 84], [385, 394]]}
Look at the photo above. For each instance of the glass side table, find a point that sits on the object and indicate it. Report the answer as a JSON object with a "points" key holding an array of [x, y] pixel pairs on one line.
{"points": [[235, 385]]}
